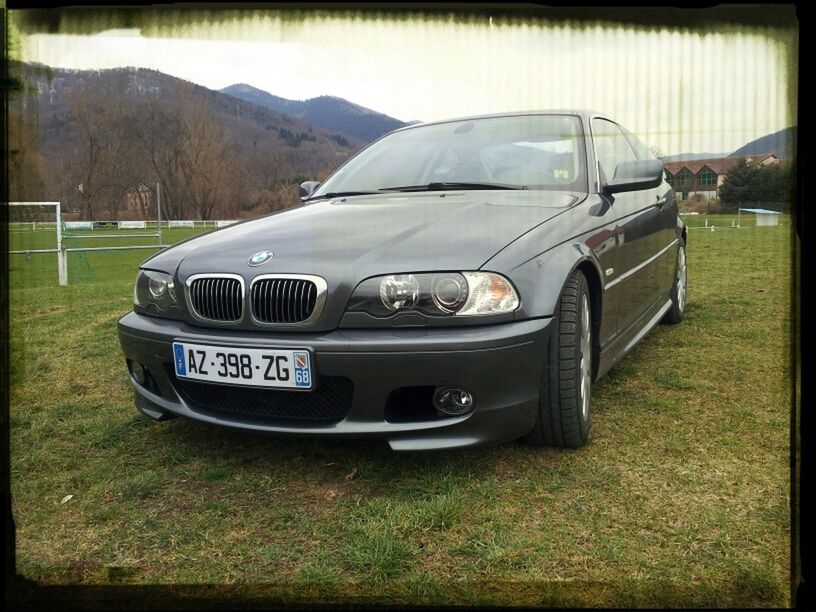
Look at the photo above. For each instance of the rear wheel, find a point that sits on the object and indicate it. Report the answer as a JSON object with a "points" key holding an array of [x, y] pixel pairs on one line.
{"points": [[677, 311], [564, 415]]}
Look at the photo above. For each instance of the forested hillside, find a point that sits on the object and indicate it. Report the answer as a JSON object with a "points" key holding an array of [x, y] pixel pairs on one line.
{"points": [[98, 141]]}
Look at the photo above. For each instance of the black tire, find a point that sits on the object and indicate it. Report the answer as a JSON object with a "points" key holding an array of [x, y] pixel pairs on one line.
{"points": [[564, 416], [679, 290]]}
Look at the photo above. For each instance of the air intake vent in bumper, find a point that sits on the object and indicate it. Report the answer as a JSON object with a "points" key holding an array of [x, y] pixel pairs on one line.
{"points": [[330, 402]]}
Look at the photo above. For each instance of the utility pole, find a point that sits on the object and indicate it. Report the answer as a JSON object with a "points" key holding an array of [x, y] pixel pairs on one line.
{"points": [[158, 210]]}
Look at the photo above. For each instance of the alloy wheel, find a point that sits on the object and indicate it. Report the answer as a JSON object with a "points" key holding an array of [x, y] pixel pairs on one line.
{"points": [[586, 375], [681, 279]]}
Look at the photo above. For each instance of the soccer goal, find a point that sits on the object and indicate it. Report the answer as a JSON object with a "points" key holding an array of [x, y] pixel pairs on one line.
{"points": [[38, 227], [45, 220]]}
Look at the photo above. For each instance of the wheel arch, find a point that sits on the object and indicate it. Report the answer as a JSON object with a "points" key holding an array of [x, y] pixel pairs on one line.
{"points": [[542, 280]]}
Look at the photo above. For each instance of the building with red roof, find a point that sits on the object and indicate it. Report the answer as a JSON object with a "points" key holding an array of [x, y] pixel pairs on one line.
{"points": [[704, 176]]}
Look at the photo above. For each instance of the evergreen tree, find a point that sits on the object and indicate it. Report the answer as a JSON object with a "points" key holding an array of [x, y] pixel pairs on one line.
{"points": [[751, 183], [736, 189]]}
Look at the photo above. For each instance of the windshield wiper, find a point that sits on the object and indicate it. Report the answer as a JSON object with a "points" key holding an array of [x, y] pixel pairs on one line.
{"points": [[452, 185], [427, 187], [340, 194]]}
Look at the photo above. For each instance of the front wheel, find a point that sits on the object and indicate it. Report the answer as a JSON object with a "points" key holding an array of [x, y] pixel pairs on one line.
{"points": [[677, 311], [564, 417]]}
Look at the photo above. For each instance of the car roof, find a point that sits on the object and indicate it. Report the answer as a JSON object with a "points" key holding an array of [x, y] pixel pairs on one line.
{"points": [[585, 114]]}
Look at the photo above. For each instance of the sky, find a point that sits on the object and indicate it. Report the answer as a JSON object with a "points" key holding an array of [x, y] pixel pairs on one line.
{"points": [[680, 91]]}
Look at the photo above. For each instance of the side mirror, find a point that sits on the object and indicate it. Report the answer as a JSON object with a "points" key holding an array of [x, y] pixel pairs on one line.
{"points": [[307, 189], [635, 175]]}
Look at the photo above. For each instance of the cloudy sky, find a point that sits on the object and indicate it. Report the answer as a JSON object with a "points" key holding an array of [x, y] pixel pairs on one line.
{"points": [[681, 91]]}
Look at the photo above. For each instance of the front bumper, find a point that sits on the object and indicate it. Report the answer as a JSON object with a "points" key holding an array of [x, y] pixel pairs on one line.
{"points": [[499, 364]]}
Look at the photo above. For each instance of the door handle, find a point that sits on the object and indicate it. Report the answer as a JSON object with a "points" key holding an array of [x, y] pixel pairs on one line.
{"points": [[661, 202]]}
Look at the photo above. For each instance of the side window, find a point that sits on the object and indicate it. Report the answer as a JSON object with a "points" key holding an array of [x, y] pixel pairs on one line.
{"points": [[611, 146]]}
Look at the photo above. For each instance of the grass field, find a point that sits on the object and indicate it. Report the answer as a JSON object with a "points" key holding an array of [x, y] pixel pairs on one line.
{"points": [[680, 499]]}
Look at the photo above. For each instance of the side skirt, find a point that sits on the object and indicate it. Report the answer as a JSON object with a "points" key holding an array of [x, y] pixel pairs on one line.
{"points": [[624, 343]]}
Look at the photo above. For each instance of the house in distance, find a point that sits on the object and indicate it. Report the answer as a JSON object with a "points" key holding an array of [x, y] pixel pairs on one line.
{"points": [[705, 176]]}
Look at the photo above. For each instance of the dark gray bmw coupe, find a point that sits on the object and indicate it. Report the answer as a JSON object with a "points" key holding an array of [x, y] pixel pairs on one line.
{"points": [[455, 283]]}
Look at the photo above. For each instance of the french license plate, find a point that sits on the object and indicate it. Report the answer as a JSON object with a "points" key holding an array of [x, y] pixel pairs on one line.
{"points": [[290, 369]]}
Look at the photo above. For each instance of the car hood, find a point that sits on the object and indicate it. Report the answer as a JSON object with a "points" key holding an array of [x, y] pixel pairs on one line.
{"points": [[362, 236]]}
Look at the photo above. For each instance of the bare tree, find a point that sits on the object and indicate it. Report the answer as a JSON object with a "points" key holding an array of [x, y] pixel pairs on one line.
{"points": [[207, 168], [24, 160], [190, 154], [155, 134], [266, 170], [95, 123]]}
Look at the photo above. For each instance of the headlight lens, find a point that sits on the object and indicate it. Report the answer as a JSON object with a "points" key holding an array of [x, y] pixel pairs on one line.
{"points": [[436, 294], [159, 287], [449, 292], [399, 291], [154, 292]]}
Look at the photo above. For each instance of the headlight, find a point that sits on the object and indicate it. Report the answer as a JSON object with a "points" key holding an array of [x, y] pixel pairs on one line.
{"points": [[436, 294], [154, 292]]}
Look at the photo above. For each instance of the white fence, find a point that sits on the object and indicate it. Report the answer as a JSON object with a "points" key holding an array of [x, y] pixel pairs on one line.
{"points": [[713, 223], [103, 224], [77, 225]]}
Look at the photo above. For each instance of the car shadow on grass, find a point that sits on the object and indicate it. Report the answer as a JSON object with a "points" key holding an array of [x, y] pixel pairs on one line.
{"points": [[320, 459]]}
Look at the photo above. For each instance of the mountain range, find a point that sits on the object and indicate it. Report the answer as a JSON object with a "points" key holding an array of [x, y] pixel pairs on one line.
{"points": [[781, 143], [692, 156], [329, 112], [44, 99], [311, 136], [340, 115]]}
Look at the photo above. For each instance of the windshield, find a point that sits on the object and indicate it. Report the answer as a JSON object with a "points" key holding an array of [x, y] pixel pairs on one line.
{"points": [[518, 152]]}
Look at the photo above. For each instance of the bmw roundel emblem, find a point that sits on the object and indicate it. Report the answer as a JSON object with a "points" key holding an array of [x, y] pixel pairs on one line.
{"points": [[259, 258]]}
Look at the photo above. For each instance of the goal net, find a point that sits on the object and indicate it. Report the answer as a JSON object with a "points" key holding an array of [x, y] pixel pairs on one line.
{"points": [[35, 228]]}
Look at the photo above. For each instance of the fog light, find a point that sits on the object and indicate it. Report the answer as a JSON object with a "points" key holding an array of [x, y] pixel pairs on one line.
{"points": [[453, 400], [138, 372]]}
